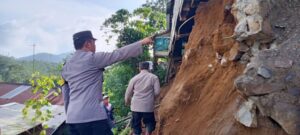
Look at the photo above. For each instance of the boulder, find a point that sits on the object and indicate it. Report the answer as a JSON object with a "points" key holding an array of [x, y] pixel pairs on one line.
{"points": [[246, 114]]}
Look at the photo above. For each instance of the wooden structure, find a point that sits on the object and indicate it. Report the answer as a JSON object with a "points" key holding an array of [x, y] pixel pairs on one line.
{"points": [[180, 21]]}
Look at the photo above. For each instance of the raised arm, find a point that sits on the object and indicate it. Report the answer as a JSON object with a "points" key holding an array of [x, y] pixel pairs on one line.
{"points": [[103, 59]]}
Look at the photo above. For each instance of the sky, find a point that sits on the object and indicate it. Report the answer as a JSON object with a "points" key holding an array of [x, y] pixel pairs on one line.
{"points": [[50, 24]]}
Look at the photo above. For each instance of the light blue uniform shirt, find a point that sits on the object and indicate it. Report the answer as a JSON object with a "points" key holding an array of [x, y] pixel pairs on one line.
{"points": [[84, 74]]}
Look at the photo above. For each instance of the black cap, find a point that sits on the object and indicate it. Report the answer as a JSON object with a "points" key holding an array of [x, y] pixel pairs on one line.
{"points": [[83, 35], [144, 65]]}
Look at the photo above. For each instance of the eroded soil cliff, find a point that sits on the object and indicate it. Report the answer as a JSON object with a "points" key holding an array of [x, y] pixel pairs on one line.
{"points": [[230, 41]]}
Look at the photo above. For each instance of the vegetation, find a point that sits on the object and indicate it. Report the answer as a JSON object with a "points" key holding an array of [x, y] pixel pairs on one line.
{"points": [[43, 86], [44, 80], [131, 27], [15, 71]]}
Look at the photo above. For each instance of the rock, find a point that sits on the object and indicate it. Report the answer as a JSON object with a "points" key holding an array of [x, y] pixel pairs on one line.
{"points": [[245, 58], [252, 86], [246, 114], [271, 78], [251, 23], [294, 91], [264, 72], [288, 116], [255, 48], [282, 107], [254, 24], [218, 56], [243, 47], [268, 54], [289, 77], [234, 56], [274, 45], [251, 8], [283, 63], [224, 62]]}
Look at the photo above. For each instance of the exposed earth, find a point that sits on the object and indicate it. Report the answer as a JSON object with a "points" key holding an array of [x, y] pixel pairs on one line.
{"points": [[240, 74]]}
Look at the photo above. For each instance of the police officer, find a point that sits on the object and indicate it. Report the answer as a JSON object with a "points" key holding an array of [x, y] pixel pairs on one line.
{"points": [[83, 74]]}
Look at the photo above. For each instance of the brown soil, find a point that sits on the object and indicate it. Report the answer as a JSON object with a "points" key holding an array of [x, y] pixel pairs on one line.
{"points": [[202, 99]]}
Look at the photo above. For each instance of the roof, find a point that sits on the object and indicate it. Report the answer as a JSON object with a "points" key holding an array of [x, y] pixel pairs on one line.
{"points": [[181, 10], [12, 99], [17, 92], [179, 13], [11, 92], [12, 121]]}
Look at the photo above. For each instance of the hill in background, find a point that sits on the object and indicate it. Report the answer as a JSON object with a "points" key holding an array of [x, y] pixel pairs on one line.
{"points": [[46, 57]]}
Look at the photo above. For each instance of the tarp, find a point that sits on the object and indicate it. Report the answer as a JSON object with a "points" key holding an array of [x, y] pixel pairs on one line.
{"points": [[161, 45]]}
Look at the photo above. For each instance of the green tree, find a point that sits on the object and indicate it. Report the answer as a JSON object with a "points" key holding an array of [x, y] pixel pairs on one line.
{"points": [[12, 70], [130, 27], [42, 86], [115, 82]]}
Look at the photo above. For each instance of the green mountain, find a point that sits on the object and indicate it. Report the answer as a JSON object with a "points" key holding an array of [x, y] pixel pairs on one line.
{"points": [[46, 57]]}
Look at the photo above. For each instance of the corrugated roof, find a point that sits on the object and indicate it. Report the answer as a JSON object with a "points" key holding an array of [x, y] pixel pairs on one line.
{"points": [[15, 92], [13, 96], [6, 87], [20, 98], [22, 95], [12, 121]]}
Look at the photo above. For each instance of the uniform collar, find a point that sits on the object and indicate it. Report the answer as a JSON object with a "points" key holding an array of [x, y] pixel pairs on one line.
{"points": [[144, 71]]}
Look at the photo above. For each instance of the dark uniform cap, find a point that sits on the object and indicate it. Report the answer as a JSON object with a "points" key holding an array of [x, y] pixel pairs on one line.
{"points": [[144, 65], [83, 35]]}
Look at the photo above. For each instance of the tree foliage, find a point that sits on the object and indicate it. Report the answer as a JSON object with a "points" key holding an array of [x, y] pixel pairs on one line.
{"points": [[131, 27], [115, 82], [15, 71], [43, 86]]}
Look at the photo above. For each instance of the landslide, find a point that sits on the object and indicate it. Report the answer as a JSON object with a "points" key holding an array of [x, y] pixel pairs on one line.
{"points": [[202, 99]]}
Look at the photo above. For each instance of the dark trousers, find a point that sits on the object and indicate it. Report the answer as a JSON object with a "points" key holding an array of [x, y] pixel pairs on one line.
{"points": [[99, 127], [148, 119]]}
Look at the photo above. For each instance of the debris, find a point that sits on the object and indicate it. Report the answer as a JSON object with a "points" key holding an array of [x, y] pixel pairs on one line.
{"points": [[246, 114], [264, 72], [283, 63], [279, 26], [223, 61]]}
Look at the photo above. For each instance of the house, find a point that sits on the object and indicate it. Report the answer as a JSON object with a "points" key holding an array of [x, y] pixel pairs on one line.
{"points": [[180, 21], [17, 92], [12, 99]]}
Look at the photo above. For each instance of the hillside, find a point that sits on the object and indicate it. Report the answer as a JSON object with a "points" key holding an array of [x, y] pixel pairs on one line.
{"points": [[16, 71], [46, 57], [242, 56]]}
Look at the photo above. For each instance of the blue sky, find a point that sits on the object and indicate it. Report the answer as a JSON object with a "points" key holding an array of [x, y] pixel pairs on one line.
{"points": [[50, 24]]}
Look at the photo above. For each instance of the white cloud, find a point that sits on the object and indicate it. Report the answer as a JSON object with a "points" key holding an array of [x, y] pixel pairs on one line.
{"points": [[48, 24]]}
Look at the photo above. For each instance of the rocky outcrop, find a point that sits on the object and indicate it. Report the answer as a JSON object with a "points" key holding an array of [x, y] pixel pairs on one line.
{"points": [[271, 79], [240, 72]]}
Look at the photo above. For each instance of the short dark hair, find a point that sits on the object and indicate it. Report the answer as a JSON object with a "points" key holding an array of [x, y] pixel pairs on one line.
{"points": [[144, 65], [78, 44]]}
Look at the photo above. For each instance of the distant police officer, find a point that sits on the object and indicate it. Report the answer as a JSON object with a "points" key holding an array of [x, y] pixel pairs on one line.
{"points": [[140, 95], [83, 88]]}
